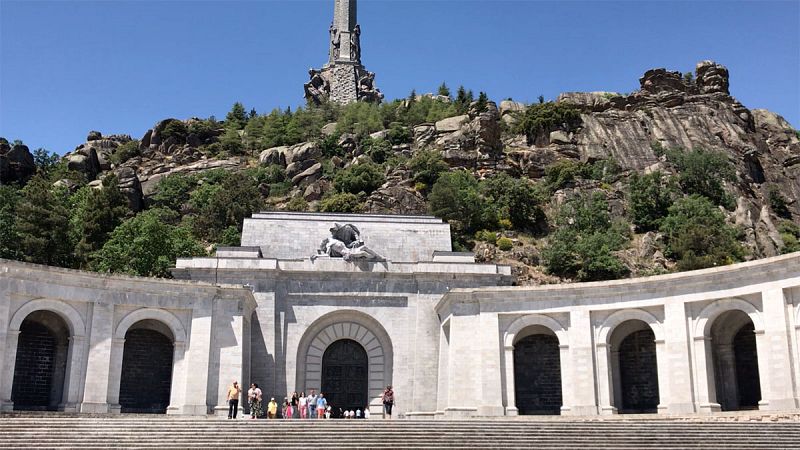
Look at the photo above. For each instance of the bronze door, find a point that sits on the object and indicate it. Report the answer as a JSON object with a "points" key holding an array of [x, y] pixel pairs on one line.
{"points": [[345, 376]]}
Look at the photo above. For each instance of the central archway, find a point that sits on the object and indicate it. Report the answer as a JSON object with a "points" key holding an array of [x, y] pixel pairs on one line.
{"points": [[147, 359], [351, 325], [735, 361], [345, 375]]}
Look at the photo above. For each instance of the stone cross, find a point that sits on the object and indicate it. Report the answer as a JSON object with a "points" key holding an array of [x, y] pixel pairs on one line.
{"points": [[345, 33]]}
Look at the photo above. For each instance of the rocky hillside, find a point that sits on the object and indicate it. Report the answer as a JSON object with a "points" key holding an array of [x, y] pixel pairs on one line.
{"points": [[625, 135]]}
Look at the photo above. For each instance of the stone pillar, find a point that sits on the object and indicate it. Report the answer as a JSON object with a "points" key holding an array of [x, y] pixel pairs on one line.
{"points": [[581, 374], [177, 394], [115, 374], [774, 354], [567, 395], [491, 352], [74, 374], [605, 379], [704, 368], [511, 388], [97, 387], [7, 372], [464, 384], [230, 368], [193, 380], [674, 371]]}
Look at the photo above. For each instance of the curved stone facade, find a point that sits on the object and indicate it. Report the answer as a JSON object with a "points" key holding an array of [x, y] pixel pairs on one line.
{"points": [[432, 323]]}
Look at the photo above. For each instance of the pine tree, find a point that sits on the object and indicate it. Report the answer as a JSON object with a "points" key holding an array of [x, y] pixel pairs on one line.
{"points": [[237, 117], [104, 209], [444, 90], [483, 100], [9, 240], [43, 223]]}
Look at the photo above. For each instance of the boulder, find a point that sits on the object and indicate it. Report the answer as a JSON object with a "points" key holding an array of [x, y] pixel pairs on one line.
{"points": [[94, 136], [559, 137], [424, 135], [329, 129], [348, 142], [308, 176], [451, 124], [298, 167], [130, 186], [275, 155], [509, 107], [712, 77], [660, 80], [16, 164], [392, 198], [316, 190], [85, 160], [303, 152]]}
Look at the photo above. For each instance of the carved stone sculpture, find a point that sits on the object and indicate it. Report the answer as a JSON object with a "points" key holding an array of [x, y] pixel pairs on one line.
{"points": [[345, 242]]}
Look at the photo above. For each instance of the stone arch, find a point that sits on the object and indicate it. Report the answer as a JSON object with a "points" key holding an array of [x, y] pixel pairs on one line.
{"points": [[519, 325], [160, 315], [348, 324], [515, 332], [610, 324], [71, 316], [708, 314]]}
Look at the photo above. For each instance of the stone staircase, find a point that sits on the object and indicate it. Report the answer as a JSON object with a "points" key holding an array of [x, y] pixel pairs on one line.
{"points": [[54, 431]]}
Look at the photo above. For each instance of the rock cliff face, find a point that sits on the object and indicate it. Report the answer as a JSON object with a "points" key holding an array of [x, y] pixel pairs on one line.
{"points": [[669, 110]]}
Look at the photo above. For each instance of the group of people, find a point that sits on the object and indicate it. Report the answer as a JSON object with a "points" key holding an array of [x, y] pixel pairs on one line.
{"points": [[311, 406]]}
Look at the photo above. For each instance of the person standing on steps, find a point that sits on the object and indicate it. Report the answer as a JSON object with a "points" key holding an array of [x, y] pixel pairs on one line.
{"points": [[303, 405], [312, 404], [321, 405], [234, 391], [272, 408], [388, 402], [254, 398], [294, 405]]}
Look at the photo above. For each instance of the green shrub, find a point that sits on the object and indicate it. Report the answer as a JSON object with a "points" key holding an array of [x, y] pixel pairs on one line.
{"points": [[697, 235], [268, 175], [359, 178], [486, 236], [561, 173], [455, 197], [125, 152], [297, 204], [702, 172], [505, 244], [516, 199], [606, 170], [379, 150], [341, 202], [427, 165], [546, 117], [790, 234], [174, 128], [280, 189], [583, 245], [778, 203], [650, 197], [399, 134]]}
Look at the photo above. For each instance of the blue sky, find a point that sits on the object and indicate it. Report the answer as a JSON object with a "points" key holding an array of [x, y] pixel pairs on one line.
{"points": [[68, 67]]}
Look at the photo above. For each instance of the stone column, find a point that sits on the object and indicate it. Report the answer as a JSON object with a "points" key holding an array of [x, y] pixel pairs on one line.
{"points": [[230, 368], [605, 379], [96, 389], [464, 364], [704, 370], [581, 374], [177, 394], [774, 354], [567, 395], [117, 352], [674, 369], [491, 352], [7, 372], [511, 388], [76, 354], [193, 380], [663, 376]]}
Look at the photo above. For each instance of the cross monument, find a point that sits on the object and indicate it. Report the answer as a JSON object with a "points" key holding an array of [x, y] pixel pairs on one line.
{"points": [[343, 79]]}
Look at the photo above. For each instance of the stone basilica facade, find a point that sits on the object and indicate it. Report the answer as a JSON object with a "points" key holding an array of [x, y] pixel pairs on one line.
{"points": [[382, 300]]}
